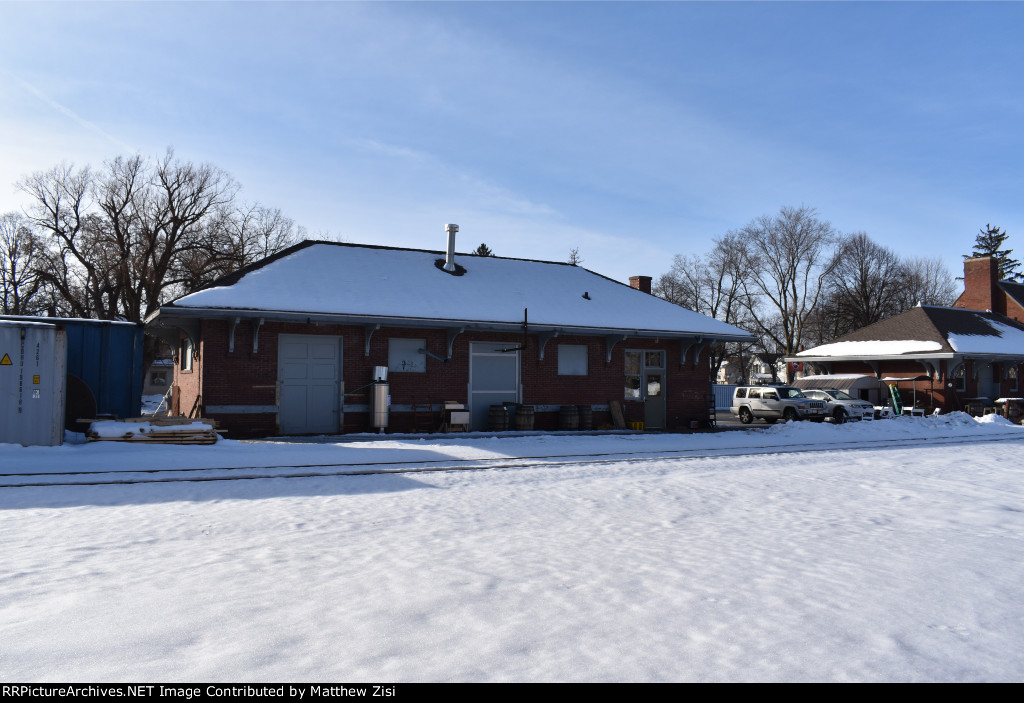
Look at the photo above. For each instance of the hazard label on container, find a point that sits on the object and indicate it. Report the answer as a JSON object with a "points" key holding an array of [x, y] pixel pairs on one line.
{"points": [[6, 361], [35, 380]]}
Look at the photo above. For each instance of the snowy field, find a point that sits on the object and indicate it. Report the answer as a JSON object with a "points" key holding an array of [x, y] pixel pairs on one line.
{"points": [[726, 559]]}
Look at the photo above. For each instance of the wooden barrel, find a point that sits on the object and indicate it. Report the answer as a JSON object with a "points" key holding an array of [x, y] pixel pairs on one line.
{"points": [[568, 418], [524, 417], [497, 419], [1013, 411], [586, 413]]}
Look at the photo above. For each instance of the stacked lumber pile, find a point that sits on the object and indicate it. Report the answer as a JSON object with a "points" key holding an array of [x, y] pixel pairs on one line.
{"points": [[154, 430]]}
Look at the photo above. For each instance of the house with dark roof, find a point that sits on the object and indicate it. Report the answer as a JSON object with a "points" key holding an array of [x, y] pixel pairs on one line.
{"points": [[961, 354], [294, 343], [946, 357]]}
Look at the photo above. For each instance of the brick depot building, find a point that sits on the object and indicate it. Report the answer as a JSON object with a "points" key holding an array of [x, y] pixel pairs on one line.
{"points": [[289, 345], [958, 356]]}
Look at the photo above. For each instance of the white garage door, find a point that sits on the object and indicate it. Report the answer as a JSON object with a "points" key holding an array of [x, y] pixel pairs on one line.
{"points": [[309, 371], [493, 379]]}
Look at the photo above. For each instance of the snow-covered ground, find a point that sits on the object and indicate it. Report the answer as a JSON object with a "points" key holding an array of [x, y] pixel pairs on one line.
{"points": [[836, 564]]}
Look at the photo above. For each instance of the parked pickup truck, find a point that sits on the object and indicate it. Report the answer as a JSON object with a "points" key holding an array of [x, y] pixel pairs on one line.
{"points": [[773, 403]]}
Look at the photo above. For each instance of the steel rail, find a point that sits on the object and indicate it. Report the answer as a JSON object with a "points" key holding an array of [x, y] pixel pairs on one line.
{"points": [[479, 464]]}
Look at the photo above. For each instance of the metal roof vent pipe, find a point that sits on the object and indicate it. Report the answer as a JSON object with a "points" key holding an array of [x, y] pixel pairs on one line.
{"points": [[449, 259]]}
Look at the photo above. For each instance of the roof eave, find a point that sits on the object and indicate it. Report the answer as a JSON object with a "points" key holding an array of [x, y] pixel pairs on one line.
{"points": [[995, 356], [169, 313], [876, 357]]}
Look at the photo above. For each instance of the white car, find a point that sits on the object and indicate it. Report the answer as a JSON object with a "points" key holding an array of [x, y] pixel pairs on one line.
{"points": [[773, 403], [841, 406]]}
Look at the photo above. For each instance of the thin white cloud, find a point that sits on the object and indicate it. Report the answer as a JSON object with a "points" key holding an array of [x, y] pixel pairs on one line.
{"points": [[68, 112], [471, 188], [391, 150]]}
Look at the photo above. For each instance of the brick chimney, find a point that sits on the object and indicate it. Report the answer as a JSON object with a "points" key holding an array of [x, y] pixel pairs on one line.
{"points": [[641, 283], [981, 291]]}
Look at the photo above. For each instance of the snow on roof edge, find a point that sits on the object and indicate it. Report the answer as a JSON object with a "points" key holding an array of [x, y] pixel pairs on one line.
{"points": [[364, 281]]}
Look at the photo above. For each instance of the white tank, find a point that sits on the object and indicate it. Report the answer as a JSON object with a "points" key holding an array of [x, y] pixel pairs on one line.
{"points": [[380, 401]]}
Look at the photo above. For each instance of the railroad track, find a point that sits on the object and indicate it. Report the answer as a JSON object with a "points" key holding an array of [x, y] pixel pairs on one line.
{"points": [[29, 479]]}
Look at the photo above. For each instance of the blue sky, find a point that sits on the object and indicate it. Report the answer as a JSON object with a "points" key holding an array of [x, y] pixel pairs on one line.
{"points": [[633, 131]]}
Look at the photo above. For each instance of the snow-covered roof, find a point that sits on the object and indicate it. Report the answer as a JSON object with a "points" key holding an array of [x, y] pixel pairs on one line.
{"points": [[22, 323], [383, 283], [873, 347], [1008, 340], [928, 331], [63, 320]]}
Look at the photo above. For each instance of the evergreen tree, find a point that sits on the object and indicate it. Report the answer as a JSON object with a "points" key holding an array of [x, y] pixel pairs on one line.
{"points": [[483, 250], [989, 242]]}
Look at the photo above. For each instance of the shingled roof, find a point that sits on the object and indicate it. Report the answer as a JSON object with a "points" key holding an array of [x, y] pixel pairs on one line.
{"points": [[928, 331]]}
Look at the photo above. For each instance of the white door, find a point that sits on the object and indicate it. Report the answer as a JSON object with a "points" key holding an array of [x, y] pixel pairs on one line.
{"points": [[493, 379], [309, 374]]}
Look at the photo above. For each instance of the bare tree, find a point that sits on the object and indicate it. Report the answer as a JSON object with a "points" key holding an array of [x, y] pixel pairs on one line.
{"points": [[713, 286], [574, 257], [870, 283], [124, 237], [787, 258], [21, 253], [683, 283], [235, 237], [825, 321], [60, 209], [928, 282], [867, 283], [793, 281]]}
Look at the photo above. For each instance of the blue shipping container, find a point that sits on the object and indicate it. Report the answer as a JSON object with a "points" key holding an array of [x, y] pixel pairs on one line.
{"points": [[104, 361]]}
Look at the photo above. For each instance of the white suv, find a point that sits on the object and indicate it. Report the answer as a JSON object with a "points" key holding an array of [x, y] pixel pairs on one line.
{"points": [[773, 403], [841, 406]]}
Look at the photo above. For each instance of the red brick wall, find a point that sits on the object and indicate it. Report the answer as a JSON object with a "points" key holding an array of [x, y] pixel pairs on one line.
{"points": [[239, 377], [189, 383], [686, 388], [1013, 309], [244, 378]]}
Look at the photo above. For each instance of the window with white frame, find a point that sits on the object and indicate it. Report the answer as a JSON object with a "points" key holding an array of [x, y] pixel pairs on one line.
{"points": [[634, 374], [644, 374], [185, 355], [572, 360]]}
